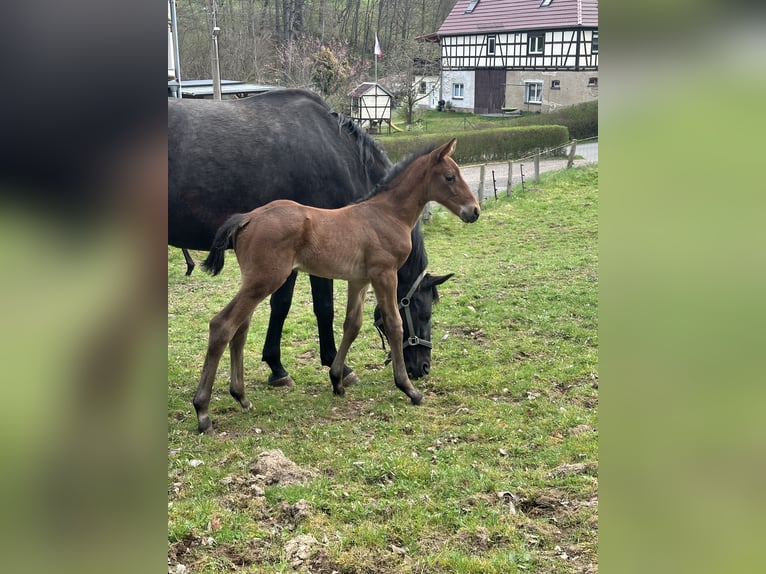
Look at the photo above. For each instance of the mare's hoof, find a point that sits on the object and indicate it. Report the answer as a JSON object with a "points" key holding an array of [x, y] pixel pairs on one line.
{"points": [[246, 406], [286, 381], [416, 398], [350, 379], [206, 428]]}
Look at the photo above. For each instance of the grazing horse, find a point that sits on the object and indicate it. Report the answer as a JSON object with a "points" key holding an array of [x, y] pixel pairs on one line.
{"points": [[363, 243], [235, 155]]}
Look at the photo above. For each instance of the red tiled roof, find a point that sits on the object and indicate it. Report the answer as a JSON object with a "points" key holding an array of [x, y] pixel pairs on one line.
{"points": [[508, 15]]}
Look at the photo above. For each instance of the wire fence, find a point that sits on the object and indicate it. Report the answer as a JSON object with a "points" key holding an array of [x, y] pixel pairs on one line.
{"points": [[490, 180]]}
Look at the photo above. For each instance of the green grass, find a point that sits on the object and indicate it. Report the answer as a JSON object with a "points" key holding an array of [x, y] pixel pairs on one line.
{"points": [[512, 397]]}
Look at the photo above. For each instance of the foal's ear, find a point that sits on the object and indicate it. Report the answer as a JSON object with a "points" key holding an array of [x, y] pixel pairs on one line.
{"points": [[434, 280], [444, 151]]}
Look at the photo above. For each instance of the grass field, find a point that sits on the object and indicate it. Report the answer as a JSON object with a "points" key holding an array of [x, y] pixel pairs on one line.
{"points": [[495, 473]]}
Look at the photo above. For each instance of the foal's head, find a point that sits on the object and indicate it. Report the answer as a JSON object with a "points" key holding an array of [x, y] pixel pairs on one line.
{"points": [[448, 187]]}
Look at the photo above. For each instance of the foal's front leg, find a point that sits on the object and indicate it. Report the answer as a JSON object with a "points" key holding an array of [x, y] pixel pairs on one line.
{"points": [[322, 296], [385, 292], [351, 327]]}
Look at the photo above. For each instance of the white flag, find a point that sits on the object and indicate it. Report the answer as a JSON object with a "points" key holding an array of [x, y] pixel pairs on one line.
{"points": [[378, 51]]}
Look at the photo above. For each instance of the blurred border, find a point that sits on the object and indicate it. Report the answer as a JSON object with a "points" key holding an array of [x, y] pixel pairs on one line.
{"points": [[683, 276], [83, 215]]}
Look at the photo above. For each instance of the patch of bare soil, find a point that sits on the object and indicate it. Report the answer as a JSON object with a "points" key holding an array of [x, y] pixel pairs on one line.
{"points": [[273, 467], [299, 549]]}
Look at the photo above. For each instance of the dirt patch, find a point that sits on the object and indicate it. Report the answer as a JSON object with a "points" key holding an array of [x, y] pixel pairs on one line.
{"points": [[299, 549], [273, 467]]}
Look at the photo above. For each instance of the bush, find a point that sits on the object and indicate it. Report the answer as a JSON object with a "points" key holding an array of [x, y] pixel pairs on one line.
{"points": [[581, 119], [483, 145]]}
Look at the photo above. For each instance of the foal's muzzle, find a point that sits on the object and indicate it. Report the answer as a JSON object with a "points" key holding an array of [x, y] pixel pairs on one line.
{"points": [[469, 214]]}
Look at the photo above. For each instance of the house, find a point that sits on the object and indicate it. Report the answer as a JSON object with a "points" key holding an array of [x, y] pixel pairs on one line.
{"points": [[531, 55], [371, 105]]}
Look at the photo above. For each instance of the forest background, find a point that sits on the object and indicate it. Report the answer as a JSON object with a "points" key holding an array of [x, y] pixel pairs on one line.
{"points": [[324, 45]]}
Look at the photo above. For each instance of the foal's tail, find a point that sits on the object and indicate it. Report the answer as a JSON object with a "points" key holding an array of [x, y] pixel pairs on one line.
{"points": [[224, 239]]}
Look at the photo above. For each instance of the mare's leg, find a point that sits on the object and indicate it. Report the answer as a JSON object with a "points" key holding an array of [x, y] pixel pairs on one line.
{"points": [[280, 303], [322, 297], [189, 261], [236, 351], [385, 292], [351, 326]]}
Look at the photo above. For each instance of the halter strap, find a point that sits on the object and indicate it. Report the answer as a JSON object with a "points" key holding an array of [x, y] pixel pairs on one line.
{"points": [[404, 303]]}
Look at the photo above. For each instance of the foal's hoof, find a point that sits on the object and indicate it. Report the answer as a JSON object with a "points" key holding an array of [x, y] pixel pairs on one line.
{"points": [[246, 405], [340, 390], [350, 379], [286, 381]]}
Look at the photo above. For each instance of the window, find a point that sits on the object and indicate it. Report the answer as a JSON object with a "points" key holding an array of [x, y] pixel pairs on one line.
{"points": [[545, 3], [594, 42], [533, 92], [592, 82], [423, 88], [471, 6], [457, 91], [536, 43], [491, 41], [555, 84]]}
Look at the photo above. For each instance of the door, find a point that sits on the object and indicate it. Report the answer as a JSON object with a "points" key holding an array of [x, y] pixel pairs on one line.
{"points": [[490, 91]]}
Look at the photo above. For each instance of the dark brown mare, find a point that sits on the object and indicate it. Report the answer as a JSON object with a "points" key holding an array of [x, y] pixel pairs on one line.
{"points": [[363, 243]]}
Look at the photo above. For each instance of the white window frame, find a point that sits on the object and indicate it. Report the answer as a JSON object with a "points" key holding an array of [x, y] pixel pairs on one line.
{"points": [[536, 43], [594, 42], [533, 91], [491, 45], [458, 91]]}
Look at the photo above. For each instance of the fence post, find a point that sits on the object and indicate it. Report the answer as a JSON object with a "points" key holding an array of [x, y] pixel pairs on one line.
{"points": [[481, 184], [537, 166], [510, 179], [426, 215], [572, 148]]}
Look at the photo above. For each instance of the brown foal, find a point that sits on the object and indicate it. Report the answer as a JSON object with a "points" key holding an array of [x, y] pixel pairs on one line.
{"points": [[363, 243]]}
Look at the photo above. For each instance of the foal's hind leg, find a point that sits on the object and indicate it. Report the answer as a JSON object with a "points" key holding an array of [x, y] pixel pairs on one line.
{"points": [[236, 350], [385, 292], [223, 327], [351, 326]]}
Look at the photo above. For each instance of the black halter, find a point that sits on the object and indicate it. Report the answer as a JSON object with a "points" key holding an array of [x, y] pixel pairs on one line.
{"points": [[404, 303]]}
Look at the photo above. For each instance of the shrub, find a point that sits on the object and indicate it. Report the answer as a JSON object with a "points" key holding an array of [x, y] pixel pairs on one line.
{"points": [[483, 145], [581, 119]]}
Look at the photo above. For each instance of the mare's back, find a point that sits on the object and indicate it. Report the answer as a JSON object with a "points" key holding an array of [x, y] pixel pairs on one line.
{"points": [[235, 155]]}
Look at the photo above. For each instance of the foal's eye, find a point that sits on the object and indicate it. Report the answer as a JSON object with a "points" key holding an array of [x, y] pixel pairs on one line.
{"points": [[450, 177]]}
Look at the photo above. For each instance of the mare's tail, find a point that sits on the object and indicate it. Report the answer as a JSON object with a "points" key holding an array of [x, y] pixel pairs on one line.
{"points": [[224, 239]]}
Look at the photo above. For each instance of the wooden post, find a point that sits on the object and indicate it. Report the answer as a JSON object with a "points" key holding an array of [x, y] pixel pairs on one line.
{"points": [[537, 166], [426, 215], [481, 184], [510, 179], [572, 148]]}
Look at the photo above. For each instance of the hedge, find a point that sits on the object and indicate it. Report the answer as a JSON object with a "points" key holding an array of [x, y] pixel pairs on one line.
{"points": [[481, 146], [581, 119]]}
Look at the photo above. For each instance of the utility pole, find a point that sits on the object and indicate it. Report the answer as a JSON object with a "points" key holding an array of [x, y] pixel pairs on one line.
{"points": [[175, 50], [214, 52]]}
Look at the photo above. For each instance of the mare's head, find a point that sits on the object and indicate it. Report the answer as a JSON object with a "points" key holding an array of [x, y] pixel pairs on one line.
{"points": [[447, 185], [415, 304]]}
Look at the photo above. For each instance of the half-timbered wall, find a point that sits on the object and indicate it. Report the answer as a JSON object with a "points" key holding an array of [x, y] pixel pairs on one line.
{"points": [[571, 50]]}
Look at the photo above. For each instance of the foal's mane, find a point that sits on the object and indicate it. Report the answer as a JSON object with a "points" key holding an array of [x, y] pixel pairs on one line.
{"points": [[385, 184]]}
